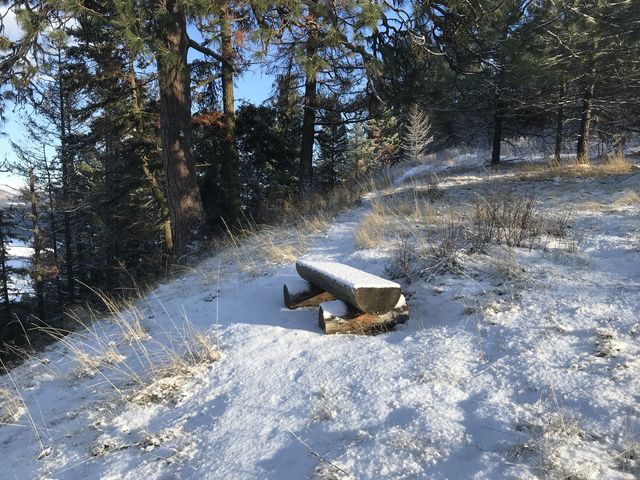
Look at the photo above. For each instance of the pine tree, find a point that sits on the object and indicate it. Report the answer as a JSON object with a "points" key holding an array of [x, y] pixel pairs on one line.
{"points": [[359, 152], [416, 134], [333, 141]]}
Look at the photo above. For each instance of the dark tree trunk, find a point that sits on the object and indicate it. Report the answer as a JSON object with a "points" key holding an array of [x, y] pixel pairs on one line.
{"points": [[4, 271], [38, 279], [310, 104], [66, 163], [53, 232], [183, 195], [559, 123], [582, 151], [497, 137], [230, 167]]}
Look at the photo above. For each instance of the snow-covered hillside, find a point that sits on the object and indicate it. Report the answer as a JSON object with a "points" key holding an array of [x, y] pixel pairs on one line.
{"points": [[520, 363]]}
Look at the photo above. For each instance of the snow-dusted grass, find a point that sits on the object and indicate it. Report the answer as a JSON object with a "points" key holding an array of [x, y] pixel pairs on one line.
{"points": [[523, 361], [614, 164]]}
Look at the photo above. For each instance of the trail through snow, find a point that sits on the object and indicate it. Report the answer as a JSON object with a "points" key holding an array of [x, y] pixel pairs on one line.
{"points": [[491, 378]]}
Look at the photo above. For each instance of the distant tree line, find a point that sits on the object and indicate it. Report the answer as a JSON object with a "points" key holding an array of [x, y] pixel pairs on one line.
{"points": [[138, 146]]}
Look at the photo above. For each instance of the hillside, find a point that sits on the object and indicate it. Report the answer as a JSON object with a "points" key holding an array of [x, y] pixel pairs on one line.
{"points": [[520, 358], [6, 196]]}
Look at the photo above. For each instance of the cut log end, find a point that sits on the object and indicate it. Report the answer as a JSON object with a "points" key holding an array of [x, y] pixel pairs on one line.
{"points": [[377, 301], [339, 317], [305, 296]]}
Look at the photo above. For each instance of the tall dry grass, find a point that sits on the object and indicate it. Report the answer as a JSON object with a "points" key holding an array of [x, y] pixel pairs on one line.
{"points": [[610, 165], [253, 247]]}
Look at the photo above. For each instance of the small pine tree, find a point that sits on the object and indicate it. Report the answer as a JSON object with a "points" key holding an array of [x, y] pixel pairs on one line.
{"points": [[360, 152], [416, 134], [383, 133]]}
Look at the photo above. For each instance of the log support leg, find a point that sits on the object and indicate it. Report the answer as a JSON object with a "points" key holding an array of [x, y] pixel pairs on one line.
{"points": [[340, 317], [304, 295]]}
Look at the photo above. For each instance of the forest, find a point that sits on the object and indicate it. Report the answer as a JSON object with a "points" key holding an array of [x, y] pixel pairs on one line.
{"points": [[140, 158]]}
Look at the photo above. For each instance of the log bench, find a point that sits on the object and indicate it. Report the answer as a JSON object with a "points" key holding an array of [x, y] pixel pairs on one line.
{"points": [[349, 300]]}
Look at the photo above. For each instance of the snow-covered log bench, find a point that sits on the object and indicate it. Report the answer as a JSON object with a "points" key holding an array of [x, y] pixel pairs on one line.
{"points": [[349, 300], [368, 293]]}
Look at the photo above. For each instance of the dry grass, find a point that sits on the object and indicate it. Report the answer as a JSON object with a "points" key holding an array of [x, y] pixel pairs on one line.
{"points": [[395, 217], [424, 245], [555, 442], [121, 351], [611, 165], [627, 198], [254, 248], [11, 406]]}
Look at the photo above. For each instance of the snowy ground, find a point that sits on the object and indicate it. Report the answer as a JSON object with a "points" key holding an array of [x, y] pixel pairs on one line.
{"points": [[19, 254], [534, 374]]}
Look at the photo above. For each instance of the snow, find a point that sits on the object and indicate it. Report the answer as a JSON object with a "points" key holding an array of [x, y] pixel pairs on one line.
{"points": [[533, 374], [335, 308], [350, 277], [19, 255]]}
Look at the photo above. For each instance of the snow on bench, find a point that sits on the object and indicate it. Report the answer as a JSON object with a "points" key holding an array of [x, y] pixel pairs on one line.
{"points": [[368, 293]]}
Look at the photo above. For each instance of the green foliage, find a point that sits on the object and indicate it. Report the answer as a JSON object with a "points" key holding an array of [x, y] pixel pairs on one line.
{"points": [[332, 163]]}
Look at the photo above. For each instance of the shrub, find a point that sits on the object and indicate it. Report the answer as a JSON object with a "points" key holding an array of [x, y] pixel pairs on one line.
{"points": [[507, 217]]}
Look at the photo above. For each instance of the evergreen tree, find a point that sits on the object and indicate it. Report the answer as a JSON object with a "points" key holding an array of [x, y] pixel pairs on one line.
{"points": [[416, 133], [333, 141], [360, 152]]}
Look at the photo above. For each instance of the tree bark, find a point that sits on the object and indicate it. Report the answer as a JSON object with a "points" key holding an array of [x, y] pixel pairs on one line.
{"points": [[339, 317], [37, 247], [154, 185], [310, 104], [497, 137], [559, 122], [4, 271], [52, 227], [230, 166], [66, 161], [582, 151], [183, 195]]}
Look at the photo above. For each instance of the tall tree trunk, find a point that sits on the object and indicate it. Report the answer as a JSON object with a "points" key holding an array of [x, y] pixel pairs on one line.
{"points": [[156, 190], [310, 104], [66, 187], [183, 195], [53, 229], [497, 137], [559, 123], [4, 271], [230, 166], [38, 279], [582, 151]]}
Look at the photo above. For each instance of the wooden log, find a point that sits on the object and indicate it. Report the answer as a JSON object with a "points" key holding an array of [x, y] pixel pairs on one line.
{"points": [[304, 294], [340, 317], [368, 293]]}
